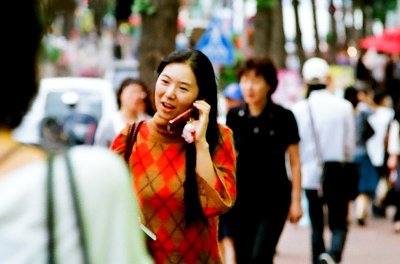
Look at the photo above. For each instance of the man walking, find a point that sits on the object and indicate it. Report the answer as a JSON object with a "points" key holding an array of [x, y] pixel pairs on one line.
{"points": [[327, 132]]}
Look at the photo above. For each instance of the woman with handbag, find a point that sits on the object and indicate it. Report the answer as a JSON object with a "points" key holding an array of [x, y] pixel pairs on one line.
{"points": [[74, 210], [185, 174], [368, 175]]}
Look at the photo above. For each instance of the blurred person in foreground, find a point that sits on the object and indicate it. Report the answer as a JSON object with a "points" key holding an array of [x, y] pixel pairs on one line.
{"points": [[333, 121], [112, 231], [185, 178], [134, 105], [264, 134]]}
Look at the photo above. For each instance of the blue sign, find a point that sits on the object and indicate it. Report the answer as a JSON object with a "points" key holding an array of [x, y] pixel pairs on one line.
{"points": [[216, 46]]}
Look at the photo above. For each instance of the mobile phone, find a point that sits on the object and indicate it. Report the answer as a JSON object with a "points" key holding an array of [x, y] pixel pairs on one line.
{"points": [[180, 121]]}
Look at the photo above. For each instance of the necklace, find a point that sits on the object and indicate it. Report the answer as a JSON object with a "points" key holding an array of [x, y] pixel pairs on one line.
{"points": [[9, 152]]}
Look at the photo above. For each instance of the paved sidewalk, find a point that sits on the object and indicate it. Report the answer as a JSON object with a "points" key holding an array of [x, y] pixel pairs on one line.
{"points": [[375, 243]]}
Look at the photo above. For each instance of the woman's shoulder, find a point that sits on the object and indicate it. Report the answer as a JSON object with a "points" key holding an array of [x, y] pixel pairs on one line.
{"points": [[225, 131], [224, 128]]}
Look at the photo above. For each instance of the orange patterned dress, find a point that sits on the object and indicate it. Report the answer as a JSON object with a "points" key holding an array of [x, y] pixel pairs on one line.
{"points": [[158, 166]]}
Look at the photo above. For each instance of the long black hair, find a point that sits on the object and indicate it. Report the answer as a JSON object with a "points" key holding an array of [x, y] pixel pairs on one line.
{"points": [[207, 83]]}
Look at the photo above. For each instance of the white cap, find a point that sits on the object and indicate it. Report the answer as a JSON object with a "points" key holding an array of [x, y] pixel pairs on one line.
{"points": [[315, 71]]}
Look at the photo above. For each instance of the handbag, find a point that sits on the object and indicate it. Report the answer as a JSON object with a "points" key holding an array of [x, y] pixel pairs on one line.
{"points": [[338, 178], [131, 138], [50, 205], [130, 141], [367, 130]]}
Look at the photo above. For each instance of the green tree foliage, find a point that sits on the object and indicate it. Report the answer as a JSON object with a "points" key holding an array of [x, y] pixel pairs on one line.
{"points": [[379, 7], [266, 3]]}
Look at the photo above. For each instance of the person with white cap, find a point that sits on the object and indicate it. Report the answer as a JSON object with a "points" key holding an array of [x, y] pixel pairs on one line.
{"points": [[327, 132]]}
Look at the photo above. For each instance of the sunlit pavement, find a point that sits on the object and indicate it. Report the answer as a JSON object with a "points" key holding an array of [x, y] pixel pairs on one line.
{"points": [[374, 243]]}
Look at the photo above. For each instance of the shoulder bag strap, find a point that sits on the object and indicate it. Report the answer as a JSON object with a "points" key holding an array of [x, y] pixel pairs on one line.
{"points": [[315, 135], [51, 210], [131, 138]]}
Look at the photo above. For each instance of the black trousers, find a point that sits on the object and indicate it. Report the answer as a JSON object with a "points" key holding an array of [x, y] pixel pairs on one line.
{"points": [[337, 211], [256, 235]]}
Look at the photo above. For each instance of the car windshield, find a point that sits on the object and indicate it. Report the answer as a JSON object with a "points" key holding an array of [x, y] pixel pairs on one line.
{"points": [[87, 102]]}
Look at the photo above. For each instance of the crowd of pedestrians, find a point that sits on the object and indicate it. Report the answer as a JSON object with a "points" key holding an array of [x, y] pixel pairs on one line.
{"points": [[216, 190]]}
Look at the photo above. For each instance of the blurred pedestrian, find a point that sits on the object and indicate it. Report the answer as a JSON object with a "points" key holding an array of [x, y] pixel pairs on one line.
{"points": [[392, 79], [232, 98], [380, 119], [332, 120], [264, 133], [394, 168], [78, 126], [368, 174], [183, 186], [112, 232], [134, 105]]}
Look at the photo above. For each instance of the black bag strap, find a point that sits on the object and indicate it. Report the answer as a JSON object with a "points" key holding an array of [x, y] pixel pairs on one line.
{"points": [[315, 135], [51, 209], [131, 138]]}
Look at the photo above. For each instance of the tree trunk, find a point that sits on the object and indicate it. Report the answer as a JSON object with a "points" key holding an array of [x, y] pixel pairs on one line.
{"points": [[99, 9], [269, 36], [316, 35], [332, 37], [348, 29], [157, 39], [299, 42], [263, 26], [278, 40]]}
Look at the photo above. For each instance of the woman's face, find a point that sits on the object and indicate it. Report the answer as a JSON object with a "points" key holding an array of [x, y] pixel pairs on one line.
{"points": [[132, 98], [254, 87], [176, 90]]}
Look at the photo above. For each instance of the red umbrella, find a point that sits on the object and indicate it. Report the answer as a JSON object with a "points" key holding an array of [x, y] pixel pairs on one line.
{"points": [[387, 42]]}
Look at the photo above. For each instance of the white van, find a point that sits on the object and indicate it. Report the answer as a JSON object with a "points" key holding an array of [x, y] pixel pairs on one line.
{"points": [[95, 96]]}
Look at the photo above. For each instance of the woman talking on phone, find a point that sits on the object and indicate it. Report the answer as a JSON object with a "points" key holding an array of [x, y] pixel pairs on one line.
{"points": [[185, 177]]}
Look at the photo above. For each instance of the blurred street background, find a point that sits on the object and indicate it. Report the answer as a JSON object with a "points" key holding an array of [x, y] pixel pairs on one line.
{"points": [[114, 39]]}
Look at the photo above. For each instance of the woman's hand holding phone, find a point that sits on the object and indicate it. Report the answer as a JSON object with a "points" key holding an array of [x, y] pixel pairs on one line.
{"points": [[201, 124], [180, 121], [201, 109]]}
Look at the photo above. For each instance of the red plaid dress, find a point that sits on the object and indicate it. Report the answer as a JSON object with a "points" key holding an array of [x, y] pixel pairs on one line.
{"points": [[158, 166]]}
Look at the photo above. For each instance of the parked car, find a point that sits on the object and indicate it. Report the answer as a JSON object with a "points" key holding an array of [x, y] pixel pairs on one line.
{"points": [[58, 96]]}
